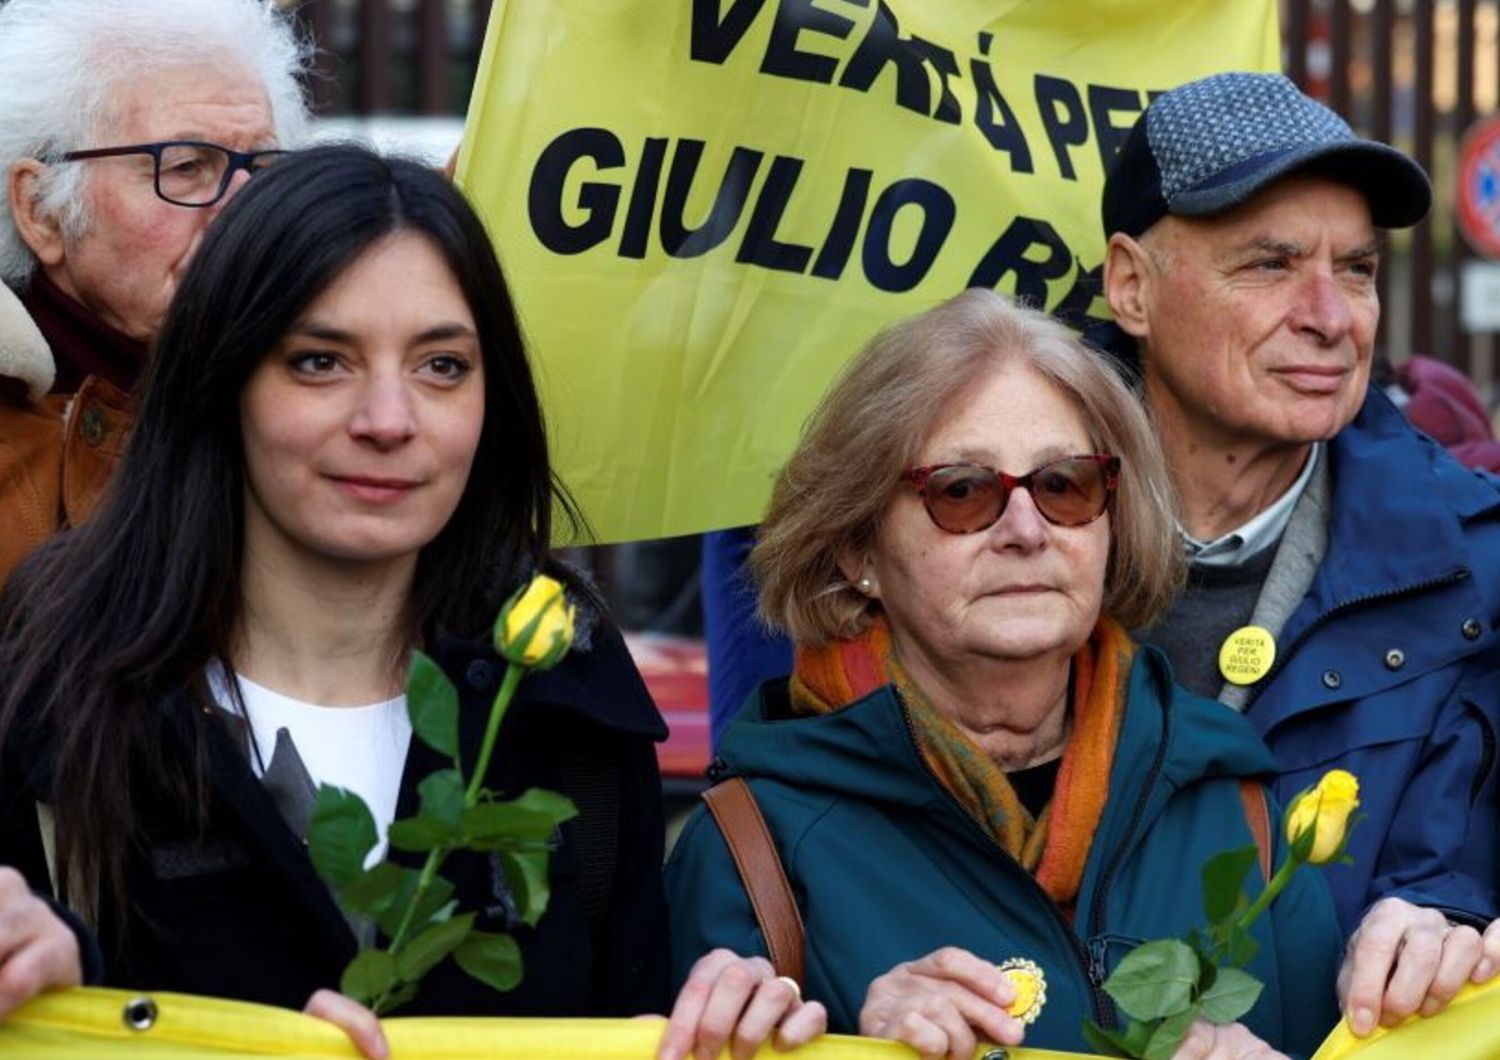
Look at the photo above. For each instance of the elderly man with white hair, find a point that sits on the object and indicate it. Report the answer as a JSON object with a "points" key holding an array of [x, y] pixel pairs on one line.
{"points": [[125, 125]]}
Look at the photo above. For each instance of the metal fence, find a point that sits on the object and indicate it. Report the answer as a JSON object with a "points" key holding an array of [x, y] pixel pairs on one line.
{"points": [[1415, 73]]}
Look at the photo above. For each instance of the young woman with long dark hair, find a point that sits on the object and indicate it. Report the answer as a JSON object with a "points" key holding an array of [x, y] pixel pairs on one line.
{"points": [[340, 456]]}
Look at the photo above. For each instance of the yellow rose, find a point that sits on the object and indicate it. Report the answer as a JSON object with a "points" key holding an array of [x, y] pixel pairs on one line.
{"points": [[1326, 808], [535, 627]]}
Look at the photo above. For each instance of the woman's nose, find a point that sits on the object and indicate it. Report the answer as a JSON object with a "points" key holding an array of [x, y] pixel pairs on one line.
{"points": [[386, 414], [1021, 525]]}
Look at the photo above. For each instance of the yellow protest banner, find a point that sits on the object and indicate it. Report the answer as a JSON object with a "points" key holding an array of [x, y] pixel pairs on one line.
{"points": [[94, 1024], [705, 207], [97, 1024]]}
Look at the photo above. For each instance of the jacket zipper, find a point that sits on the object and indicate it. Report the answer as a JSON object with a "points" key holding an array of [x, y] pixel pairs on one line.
{"points": [[1103, 1008], [1285, 653]]}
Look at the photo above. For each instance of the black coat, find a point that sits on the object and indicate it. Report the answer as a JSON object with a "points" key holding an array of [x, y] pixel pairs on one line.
{"points": [[240, 912]]}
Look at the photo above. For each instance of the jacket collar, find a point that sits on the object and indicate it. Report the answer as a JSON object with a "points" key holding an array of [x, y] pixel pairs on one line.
{"points": [[24, 354], [1169, 739], [1399, 505], [241, 794], [82, 344]]}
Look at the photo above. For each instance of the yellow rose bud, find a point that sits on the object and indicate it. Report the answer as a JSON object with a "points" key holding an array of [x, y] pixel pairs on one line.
{"points": [[536, 627], [1327, 809]]}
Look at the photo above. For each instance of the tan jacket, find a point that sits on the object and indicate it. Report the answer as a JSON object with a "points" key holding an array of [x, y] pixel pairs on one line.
{"points": [[57, 451]]}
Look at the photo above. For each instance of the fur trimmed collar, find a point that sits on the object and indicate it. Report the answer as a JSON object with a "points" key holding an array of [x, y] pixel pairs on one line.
{"points": [[24, 353]]}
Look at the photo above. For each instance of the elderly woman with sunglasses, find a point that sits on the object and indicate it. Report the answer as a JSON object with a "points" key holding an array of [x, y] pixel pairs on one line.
{"points": [[972, 763]]}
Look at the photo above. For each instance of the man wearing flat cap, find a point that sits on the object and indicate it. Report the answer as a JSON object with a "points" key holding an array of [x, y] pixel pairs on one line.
{"points": [[1243, 221]]}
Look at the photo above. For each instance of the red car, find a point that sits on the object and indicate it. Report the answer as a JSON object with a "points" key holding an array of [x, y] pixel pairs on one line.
{"points": [[676, 672]]}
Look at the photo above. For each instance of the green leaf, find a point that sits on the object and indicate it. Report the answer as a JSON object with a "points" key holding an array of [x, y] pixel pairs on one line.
{"points": [[339, 835], [1241, 948], [396, 997], [1233, 994], [421, 834], [1168, 1035], [526, 872], [535, 815], [370, 974], [1104, 1041], [432, 703], [442, 796], [426, 949], [439, 891], [1155, 980], [374, 890], [1223, 880], [494, 960]]}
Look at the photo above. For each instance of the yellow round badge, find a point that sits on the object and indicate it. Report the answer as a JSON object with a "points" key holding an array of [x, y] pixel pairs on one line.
{"points": [[1031, 988], [1246, 655]]}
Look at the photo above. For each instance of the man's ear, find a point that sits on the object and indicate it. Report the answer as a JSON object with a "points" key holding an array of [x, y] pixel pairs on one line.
{"points": [[40, 231], [1128, 275]]}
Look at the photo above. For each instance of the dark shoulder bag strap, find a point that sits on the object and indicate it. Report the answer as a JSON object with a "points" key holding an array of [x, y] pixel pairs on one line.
{"points": [[739, 819], [1258, 817]]}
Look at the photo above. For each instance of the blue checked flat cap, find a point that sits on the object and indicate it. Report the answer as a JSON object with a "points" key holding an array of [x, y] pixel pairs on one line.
{"points": [[1211, 144]]}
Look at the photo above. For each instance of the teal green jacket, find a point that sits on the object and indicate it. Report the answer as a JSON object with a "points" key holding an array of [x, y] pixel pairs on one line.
{"points": [[888, 867]]}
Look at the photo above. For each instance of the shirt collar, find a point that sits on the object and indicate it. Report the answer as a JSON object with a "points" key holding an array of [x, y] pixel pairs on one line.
{"points": [[1260, 533]]}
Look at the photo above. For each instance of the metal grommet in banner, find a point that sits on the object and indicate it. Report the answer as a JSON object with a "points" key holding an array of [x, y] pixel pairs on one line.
{"points": [[1471, 629], [1395, 659], [1331, 679], [996, 1054], [140, 1013]]}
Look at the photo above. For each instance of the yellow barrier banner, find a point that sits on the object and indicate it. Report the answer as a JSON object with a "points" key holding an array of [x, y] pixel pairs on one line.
{"points": [[98, 1024], [705, 207]]}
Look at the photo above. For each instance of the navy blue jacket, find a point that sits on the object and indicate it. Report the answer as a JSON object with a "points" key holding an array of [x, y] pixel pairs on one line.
{"points": [[1388, 668]]}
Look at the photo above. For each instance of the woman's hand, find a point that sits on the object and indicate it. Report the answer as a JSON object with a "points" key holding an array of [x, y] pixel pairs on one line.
{"points": [[738, 1001], [38, 951], [1230, 1041], [937, 1004], [1404, 959], [359, 1023]]}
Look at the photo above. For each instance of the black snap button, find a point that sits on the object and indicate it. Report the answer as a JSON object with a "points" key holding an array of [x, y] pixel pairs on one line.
{"points": [[1472, 629], [140, 1014], [1395, 659], [480, 675], [92, 427], [1331, 679]]}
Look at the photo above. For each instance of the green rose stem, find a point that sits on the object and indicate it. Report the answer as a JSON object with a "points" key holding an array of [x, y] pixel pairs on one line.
{"points": [[1267, 896], [513, 675], [436, 856]]}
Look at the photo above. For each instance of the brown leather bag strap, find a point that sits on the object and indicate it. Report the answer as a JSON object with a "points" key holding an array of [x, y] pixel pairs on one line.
{"points": [[733, 807], [1258, 817]]}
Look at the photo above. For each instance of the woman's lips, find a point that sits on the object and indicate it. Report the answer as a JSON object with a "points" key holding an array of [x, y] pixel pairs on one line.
{"points": [[375, 490]]}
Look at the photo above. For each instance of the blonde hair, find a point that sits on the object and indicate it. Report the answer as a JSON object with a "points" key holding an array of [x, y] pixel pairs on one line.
{"points": [[869, 427]]}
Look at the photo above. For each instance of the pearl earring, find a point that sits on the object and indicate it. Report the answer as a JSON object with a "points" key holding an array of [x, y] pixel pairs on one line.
{"points": [[865, 585]]}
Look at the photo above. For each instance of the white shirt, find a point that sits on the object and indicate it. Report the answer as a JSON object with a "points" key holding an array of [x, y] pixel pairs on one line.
{"points": [[361, 748], [1257, 535]]}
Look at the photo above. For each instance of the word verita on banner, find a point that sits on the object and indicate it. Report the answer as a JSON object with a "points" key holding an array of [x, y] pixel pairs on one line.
{"points": [[1029, 254], [925, 75]]}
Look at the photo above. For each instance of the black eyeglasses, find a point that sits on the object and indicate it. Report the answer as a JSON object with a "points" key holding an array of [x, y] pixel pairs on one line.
{"points": [[189, 172], [965, 498]]}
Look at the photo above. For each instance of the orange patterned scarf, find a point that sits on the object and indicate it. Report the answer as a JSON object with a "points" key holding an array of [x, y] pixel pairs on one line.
{"points": [[1054, 846]]}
